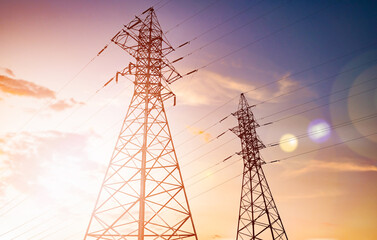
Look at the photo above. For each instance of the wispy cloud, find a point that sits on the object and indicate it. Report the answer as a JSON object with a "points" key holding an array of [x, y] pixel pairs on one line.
{"points": [[21, 87], [210, 87], [196, 131], [316, 165], [7, 71], [321, 239], [64, 104], [313, 195], [18, 87], [216, 236]]}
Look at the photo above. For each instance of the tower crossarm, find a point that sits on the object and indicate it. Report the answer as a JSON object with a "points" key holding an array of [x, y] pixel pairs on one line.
{"points": [[130, 40]]}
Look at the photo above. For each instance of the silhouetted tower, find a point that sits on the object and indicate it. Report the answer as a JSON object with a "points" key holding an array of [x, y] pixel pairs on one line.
{"points": [[258, 214], [142, 195]]}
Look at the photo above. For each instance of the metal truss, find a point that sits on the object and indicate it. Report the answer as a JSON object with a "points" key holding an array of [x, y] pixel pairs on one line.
{"points": [[258, 214], [142, 195]]}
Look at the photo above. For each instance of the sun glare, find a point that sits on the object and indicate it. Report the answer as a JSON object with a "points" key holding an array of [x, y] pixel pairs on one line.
{"points": [[288, 142]]}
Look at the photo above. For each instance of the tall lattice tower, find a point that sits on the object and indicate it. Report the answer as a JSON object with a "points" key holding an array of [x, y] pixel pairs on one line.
{"points": [[142, 195], [258, 214]]}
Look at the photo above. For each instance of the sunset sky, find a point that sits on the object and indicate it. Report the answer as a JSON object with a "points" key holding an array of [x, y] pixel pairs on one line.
{"points": [[310, 67]]}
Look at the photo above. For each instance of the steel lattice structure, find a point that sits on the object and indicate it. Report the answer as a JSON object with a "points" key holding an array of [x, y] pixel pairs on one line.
{"points": [[142, 195], [258, 214]]}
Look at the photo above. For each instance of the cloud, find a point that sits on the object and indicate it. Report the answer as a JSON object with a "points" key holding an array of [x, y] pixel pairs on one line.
{"points": [[48, 164], [313, 195], [20, 87], [216, 236], [196, 131], [316, 165], [7, 71], [209, 87], [64, 104], [321, 239]]}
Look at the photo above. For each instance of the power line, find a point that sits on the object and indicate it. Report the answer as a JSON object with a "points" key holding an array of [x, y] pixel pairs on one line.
{"points": [[284, 78], [204, 170], [322, 148], [302, 135], [201, 146], [259, 39], [31, 229], [163, 5], [200, 133], [214, 187], [56, 231], [23, 224], [310, 133], [195, 159], [75, 110], [283, 94], [157, 3], [14, 206], [234, 30], [266, 163], [264, 101], [354, 121], [72, 235], [220, 24], [195, 14], [218, 170], [61, 89], [104, 106], [338, 100], [331, 127], [282, 159], [9, 202], [208, 114], [66, 84], [316, 82], [313, 132], [319, 98], [47, 210]]}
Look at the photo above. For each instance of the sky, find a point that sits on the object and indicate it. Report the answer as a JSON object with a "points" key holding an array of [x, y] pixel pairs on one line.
{"points": [[310, 67]]}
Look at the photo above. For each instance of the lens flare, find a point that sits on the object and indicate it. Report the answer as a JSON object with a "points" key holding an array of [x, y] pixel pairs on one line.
{"points": [[319, 130], [288, 142], [362, 86]]}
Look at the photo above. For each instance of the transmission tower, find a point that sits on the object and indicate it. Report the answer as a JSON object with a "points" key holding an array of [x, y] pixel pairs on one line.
{"points": [[258, 214], [142, 195]]}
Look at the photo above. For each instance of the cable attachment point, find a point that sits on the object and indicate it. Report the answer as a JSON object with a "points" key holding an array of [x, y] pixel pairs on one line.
{"points": [[103, 49], [224, 119], [228, 157], [176, 60], [192, 72], [273, 144], [275, 161], [183, 44], [222, 134]]}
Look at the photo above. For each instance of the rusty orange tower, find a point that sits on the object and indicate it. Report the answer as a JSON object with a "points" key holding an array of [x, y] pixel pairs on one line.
{"points": [[142, 195]]}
